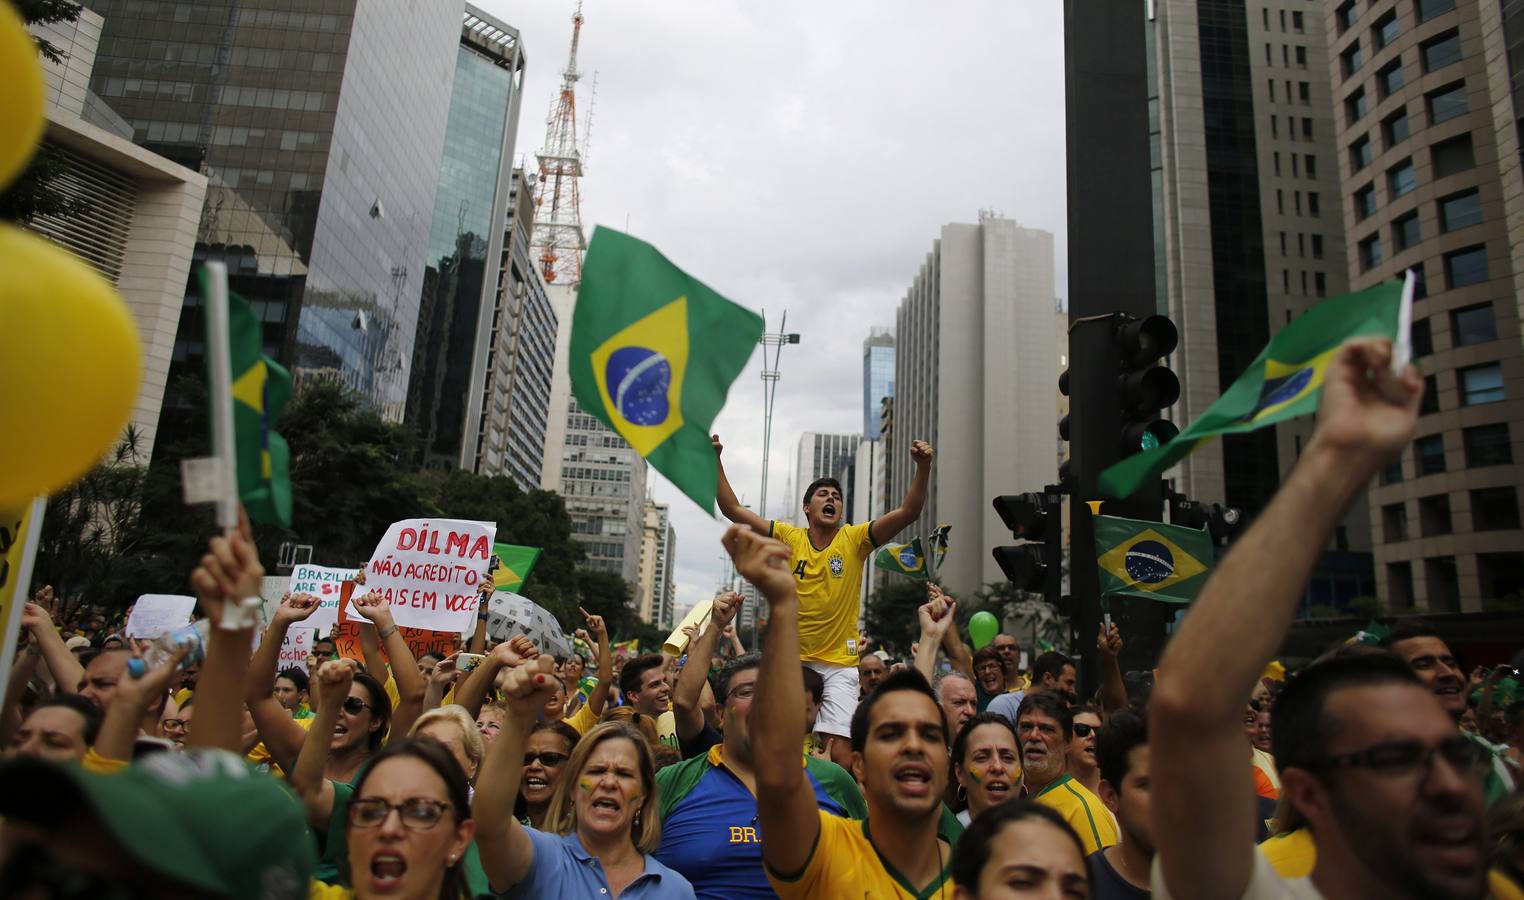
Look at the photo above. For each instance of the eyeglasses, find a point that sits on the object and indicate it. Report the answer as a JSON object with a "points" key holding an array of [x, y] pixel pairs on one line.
{"points": [[417, 813], [172, 724], [548, 759], [1083, 729], [1398, 758], [353, 705]]}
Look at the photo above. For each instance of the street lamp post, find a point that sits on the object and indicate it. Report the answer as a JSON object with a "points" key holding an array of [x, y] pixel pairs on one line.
{"points": [[772, 348]]}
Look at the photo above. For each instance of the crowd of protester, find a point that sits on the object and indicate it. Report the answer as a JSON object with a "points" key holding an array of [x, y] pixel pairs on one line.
{"points": [[1381, 769]]}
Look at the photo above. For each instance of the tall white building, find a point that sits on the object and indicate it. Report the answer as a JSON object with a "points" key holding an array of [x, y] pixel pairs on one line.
{"points": [[658, 587], [820, 456], [603, 481], [976, 375]]}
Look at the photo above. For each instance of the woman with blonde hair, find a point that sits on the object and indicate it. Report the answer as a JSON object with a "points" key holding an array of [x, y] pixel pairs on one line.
{"points": [[604, 808], [453, 726]]}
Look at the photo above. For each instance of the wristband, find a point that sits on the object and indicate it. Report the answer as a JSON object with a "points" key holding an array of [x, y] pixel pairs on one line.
{"points": [[387, 632], [481, 615]]}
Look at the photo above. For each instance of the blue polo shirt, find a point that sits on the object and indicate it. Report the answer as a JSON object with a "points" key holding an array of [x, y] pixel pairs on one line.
{"points": [[709, 827], [561, 868]]}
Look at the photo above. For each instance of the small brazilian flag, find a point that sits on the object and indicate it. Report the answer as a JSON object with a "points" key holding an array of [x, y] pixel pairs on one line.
{"points": [[903, 559], [1283, 382], [1151, 559], [511, 565], [653, 353], [261, 387]]}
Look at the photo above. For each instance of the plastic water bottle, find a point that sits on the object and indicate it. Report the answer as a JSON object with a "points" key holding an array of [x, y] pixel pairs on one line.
{"points": [[167, 644]]}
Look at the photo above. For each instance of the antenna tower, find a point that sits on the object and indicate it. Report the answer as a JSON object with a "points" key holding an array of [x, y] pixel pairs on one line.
{"points": [[558, 239]]}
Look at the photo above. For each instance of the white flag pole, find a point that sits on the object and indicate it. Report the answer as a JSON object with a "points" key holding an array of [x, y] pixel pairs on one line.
{"points": [[22, 593], [1402, 348], [219, 362]]}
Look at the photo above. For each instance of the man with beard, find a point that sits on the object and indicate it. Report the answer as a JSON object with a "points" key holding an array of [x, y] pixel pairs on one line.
{"points": [[1045, 727], [1417, 643], [899, 755], [827, 563], [1370, 760], [1120, 872], [1052, 671]]}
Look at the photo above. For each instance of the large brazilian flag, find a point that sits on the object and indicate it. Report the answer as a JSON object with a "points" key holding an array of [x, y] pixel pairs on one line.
{"points": [[1283, 382], [653, 353], [1151, 559]]}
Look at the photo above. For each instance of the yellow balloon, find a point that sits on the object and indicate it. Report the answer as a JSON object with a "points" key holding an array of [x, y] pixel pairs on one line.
{"points": [[21, 99], [70, 366]]}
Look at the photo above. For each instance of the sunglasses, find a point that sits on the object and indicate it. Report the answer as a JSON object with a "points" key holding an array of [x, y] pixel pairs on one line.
{"points": [[1083, 729], [418, 813], [353, 705], [549, 759]]}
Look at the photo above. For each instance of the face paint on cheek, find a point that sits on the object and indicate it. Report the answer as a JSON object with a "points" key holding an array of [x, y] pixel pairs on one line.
{"points": [[586, 784], [977, 774], [632, 792]]}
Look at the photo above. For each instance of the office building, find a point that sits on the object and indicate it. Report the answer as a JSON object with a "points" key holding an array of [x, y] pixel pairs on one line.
{"points": [[1427, 106], [976, 375], [603, 481], [878, 376], [658, 589], [458, 302], [818, 456], [320, 129], [138, 224]]}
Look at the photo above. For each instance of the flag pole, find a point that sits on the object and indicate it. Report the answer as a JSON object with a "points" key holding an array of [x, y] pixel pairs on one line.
{"points": [[221, 398], [21, 593], [1402, 349]]}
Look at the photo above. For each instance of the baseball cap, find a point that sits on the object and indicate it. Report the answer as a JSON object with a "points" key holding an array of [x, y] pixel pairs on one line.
{"points": [[78, 642], [202, 817]]}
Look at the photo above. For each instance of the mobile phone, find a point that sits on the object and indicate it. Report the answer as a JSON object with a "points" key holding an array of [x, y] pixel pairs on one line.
{"points": [[465, 662]]}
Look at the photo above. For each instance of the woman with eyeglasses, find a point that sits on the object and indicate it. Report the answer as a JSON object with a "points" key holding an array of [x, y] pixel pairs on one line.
{"points": [[406, 830], [549, 746], [604, 808], [986, 761], [1081, 750]]}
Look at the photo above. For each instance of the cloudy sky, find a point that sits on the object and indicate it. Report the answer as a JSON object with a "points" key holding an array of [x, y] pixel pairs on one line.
{"points": [[802, 156]]}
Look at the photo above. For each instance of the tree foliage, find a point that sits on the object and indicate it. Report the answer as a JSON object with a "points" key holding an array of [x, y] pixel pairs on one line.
{"points": [[891, 618], [33, 192]]}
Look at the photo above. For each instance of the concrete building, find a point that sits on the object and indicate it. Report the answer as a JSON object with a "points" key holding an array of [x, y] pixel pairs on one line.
{"points": [[878, 376], [458, 303], [1428, 97], [320, 132], [138, 224], [658, 589], [603, 481], [976, 373], [819, 456]]}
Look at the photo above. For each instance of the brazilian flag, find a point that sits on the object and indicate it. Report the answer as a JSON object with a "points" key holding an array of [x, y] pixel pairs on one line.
{"points": [[261, 387], [903, 559], [1283, 382], [1151, 559], [511, 565], [653, 353]]}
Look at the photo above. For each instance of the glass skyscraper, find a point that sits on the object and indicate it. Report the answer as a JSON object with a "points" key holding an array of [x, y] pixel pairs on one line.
{"points": [[878, 377], [320, 127]]}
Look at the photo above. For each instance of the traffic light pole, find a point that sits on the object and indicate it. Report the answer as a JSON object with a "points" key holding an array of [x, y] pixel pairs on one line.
{"points": [[1111, 260]]}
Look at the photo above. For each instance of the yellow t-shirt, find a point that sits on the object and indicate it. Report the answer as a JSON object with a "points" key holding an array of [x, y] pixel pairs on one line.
{"points": [[318, 890], [1082, 810], [829, 581], [582, 719], [1291, 855], [100, 765], [261, 753], [846, 864]]}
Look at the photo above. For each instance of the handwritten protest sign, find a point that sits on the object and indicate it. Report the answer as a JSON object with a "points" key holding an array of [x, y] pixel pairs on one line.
{"points": [[429, 570], [155, 614], [346, 641], [297, 646], [324, 583]]}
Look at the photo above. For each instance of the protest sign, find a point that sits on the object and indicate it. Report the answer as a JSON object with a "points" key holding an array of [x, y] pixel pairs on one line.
{"points": [[346, 641], [323, 582], [155, 614], [297, 646], [429, 570]]}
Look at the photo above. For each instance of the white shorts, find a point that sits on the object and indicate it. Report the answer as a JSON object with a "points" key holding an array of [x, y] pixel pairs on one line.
{"points": [[838, 701]]}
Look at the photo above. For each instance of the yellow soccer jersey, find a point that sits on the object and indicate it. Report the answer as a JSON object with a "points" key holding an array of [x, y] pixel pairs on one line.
{"points": [[829, 581], [1082, 810], [1291, 855], [846, 864]]}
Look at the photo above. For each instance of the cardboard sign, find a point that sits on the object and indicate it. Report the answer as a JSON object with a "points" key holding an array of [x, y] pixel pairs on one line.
{"points": [[346, 641], [295, 649], [429, 569], [324, 583], [155, 614]]}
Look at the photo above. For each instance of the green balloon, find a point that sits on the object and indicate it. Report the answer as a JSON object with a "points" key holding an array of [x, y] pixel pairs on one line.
{"points": [[982, 628]]}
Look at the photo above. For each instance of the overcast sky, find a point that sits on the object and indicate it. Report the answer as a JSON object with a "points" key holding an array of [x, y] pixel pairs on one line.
{"points": [[802, 156]]}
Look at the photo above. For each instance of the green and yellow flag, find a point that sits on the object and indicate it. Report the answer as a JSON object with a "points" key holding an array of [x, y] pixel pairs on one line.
{"points": [[903, 559], [1283, 382], [511, 565], [653, 353], [1151, 559], [261, 387]]}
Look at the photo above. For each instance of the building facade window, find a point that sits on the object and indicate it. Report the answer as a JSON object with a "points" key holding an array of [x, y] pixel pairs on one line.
{"points": [[1394, 523], [1395, 128], [1466, 266], [1399, 584], [1423, 338], [1370, 252], [1443, 582], [1355, 106], [1401, 179], [1429, 405], [1390, 78], [1429, 455], [1385, 30], [1360, 154], [1473, 325], [1352, 59], [1434, 515], [1365, 202], [1460, 210], [1442, 51], [1346, 15], [1428, 9], [1405, 231], [1494, 509], [1487, 445], [1480, 384], [1447, 103]]}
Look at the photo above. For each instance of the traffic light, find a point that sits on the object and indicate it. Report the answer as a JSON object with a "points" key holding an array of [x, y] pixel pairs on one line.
{"points": [[1037, 520], [1145, 387], [1222, 521]]}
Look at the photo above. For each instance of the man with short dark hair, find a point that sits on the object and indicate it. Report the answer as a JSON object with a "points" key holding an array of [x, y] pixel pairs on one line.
{"points": [[827, 562], [1121, 871], [60, 729], [1051, 671], [1044, 726], [1010, 659], [643, 682]]}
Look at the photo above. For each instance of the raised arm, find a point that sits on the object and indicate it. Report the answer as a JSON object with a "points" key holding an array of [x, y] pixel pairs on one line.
{"points": [[952, 644], [1113, 689], [473, 691], [937, 616], [410, 686], [21, 675], [688, 694], [786, 807], [282, 736], [37, 619], [483, 599], [598, 698], [124, 719], [229, 572], [1202, 784], [506, 851], [439, 682], [331, 683], [891, 523], [725, 496]]}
